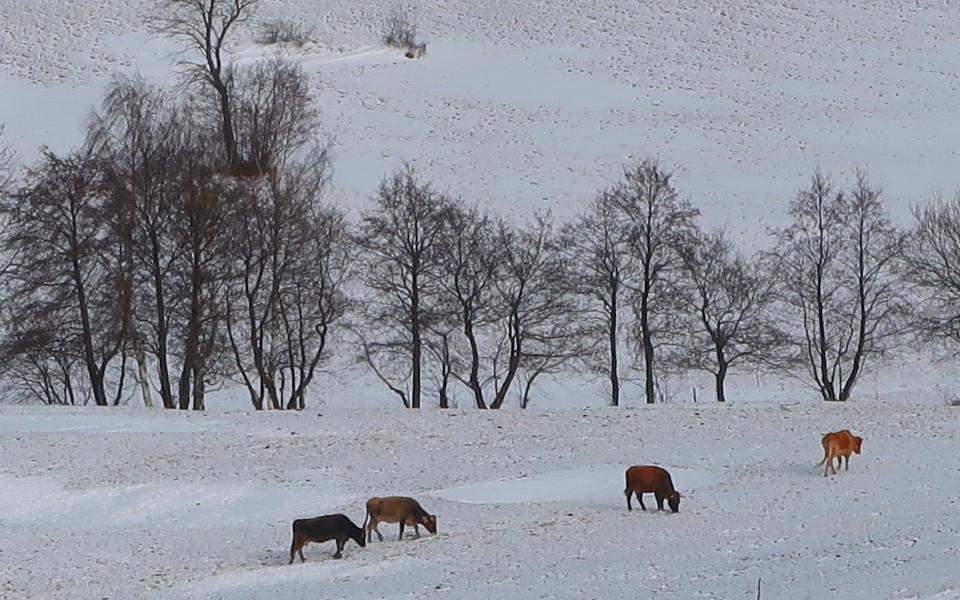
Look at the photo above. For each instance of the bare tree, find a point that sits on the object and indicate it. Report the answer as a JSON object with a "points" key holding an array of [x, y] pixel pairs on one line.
{"points": [[471, 265], [539, 331], [65, 280], [38, 363], [165, 176], [836, 263], [730, 298], [136, 135], [659, 223], [402, 238], [290, 260], [603, 271], [274, 116], [203, 26], [207, 205], [8, 175], [8, 163], [932, 266]]}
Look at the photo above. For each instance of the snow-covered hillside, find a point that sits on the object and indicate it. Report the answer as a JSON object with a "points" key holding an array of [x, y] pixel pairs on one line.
{"points": [[158, 504], [537, 105]]}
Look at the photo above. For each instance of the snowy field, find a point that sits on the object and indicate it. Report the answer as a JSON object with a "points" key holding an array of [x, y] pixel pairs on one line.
{"points": [[537, 105], [523, 106], [131, 503]]}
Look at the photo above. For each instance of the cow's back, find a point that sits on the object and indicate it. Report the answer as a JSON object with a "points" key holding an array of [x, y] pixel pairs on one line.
{"points": [[649, 478], [394, 508]]}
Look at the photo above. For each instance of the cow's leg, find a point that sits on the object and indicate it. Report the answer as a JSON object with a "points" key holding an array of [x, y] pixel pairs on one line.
{"points": [[659, 498], [401, 529], [628, 493], [340, 543], [295, 547], [374, 528], [640, 500], [416, 530], [846, 464]]}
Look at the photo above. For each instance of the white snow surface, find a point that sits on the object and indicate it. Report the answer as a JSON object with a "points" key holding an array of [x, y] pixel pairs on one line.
{"points": [[520, 107], [136, 503]]}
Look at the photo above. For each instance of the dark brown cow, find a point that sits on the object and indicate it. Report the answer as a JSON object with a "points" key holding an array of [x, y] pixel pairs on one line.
{"points": [[642, 479], [322, 529], [397, 509]]}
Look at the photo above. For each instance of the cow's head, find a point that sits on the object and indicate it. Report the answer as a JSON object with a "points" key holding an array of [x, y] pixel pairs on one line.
{"points": [[674, 501], [857, 440], [430, 522]]}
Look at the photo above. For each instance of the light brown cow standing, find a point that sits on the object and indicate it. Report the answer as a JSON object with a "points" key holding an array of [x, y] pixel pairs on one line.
{"points": [[839, 444], [397, 509]]}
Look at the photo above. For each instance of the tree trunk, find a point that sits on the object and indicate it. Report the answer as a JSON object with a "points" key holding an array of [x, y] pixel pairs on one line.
{"points": [[647, 340], [474, 381], [417, 343], [614, 358], [199, 390], [96, 377], [512, 364], [721, 375], [163, 365], [142, 376]]}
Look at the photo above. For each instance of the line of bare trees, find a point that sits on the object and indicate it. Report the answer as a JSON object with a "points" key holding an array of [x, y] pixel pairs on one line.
{"points": [[186, 246], [141, 264]]}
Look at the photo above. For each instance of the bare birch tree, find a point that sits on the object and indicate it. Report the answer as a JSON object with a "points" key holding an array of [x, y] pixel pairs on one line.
{"points": [[138, 135]]}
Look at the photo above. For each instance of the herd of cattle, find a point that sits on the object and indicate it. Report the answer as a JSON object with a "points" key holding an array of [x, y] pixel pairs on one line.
{"points": [[408, 512]]}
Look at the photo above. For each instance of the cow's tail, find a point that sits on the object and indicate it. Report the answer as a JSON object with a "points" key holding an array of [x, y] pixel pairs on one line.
{"points": [[366, 518], [826, 453]]}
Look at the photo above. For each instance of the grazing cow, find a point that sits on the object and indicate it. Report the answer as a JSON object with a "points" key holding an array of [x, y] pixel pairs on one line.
{"points": [[642, 479], [397, 509], [322, 529], [839, 445]]}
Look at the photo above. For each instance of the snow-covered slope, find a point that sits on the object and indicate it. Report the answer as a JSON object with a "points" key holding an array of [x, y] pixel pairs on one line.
{"points": [[155, 504], [537, 105]]}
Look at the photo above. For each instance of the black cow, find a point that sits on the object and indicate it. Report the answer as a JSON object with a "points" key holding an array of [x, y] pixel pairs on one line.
{"points": [[322, 529]]}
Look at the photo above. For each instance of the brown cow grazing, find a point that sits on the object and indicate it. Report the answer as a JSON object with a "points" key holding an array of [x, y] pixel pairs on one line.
{"points": [[839, 444], [397, 509], [322, 529], [642, 479]]}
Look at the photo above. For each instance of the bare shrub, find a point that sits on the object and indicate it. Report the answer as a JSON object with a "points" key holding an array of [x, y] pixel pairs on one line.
{"points": [[282, 31], [400, 32]]}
